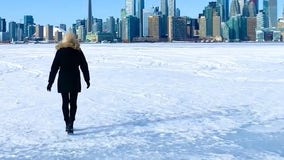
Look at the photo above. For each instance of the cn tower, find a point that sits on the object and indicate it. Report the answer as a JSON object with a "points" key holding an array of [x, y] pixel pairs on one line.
{"points": [[90, 17]]}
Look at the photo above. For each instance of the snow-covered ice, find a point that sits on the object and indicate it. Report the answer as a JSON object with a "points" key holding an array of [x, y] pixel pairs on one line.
{"points": [[148, 101]]}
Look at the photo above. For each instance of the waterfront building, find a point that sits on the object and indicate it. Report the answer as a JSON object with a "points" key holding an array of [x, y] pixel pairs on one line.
{"points": [[90, 17], [28, 21], [12, 30], [224, 9], [141, 6], [39, 32], [3, 25], [49, 33], [155, 27]]}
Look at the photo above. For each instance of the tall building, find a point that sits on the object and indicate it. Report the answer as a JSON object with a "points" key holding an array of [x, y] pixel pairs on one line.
{"points": [[146, 14], [242, 4], [48, 32], [12, 30], [216, 26], [130, 7], [235, 8], [3, 25], [256, 3], [90, 17], [63, 27], [261, 21], [110, 26], [58, 36], [165, 14], [20, 32], [172, 8], [28, 21], [225, 9], [272, 13], [212, 10], [141, 6], [177, 28], [202, 27], [130, 28], [39, 32], [155, 26], [98, 25], [252, 9], [251, 25]]}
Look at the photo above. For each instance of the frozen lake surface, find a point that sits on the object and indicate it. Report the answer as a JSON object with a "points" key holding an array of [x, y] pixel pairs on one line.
{"points": [[148, 101]]}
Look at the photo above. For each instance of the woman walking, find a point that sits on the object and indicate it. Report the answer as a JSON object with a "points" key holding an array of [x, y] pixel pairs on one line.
{"points": [[69, 57]]}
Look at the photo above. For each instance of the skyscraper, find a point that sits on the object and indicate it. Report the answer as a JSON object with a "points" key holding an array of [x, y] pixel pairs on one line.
{"points": [[130, 6], [242, 4], [28, 21], [235, 8], [164, 7], [225, 9], [172, 8], [2, 25], [165, 14], [90, 17], [256, 3], [252, 9], [12, 30], [272, 13], [141, 5]]}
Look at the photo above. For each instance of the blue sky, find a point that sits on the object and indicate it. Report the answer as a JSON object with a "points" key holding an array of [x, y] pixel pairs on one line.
{"points": [[65, 11]]}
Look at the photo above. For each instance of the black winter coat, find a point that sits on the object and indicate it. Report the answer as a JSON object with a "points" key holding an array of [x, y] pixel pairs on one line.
{"points": [[67, 61]]}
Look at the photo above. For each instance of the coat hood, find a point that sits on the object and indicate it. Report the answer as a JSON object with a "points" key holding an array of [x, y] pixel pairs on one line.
{"points": [[67, 45], [69, 40]]}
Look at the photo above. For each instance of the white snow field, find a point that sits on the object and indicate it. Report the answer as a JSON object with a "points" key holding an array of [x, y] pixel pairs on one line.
{"points": [[177, 101]]}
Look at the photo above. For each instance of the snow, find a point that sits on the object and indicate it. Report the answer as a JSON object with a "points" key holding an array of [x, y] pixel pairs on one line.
{"points": [[148, 101]]}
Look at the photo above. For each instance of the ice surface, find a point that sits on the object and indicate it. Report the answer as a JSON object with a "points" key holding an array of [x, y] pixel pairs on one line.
{"points": [[148, 101]]}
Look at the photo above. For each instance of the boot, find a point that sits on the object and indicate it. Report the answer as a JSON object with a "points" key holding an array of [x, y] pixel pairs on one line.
{"points": [[70, 128]]}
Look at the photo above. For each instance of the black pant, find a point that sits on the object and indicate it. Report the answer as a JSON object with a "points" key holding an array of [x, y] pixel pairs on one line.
{"points": [[69, 114]]}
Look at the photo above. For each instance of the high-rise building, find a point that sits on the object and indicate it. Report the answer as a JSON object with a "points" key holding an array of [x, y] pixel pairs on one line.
{"points": [[251, 25], [146, 14], [216, 26], [164, 7], [3, 25], [202, 27], [39, 32], [177, 28], [28, 21], [12, 30], [90, 17], [155, 26], [256, 3], [272, 13], [130, 26], [110, 26], [48, 32], [98, 25], [20, 32], [242, 4], [130, 7], [165, 14], [172, 8], [261, 21], [212, 10], [252, 9], [63, 27], [224, 4], [141, 6], [235, 8], [58, 36]]}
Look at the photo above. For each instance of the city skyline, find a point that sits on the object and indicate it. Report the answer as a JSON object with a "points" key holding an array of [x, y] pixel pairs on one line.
{"points": [[77, 10]]}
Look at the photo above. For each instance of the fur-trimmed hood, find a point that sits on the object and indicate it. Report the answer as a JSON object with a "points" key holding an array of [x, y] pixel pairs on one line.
{"points": [[69, 40], [67, 45]]}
